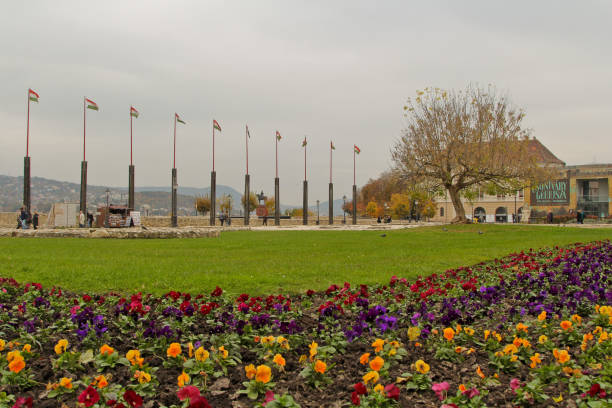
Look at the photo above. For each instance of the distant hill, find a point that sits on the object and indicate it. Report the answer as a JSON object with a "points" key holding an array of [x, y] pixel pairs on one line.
{"points": [[45, 192]]}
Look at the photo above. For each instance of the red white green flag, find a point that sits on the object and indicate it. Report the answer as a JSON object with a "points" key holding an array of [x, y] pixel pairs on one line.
{"points": [[216, 125], [91, 104], [331, 145], [357, 150], [134, 112], [278, 135], [304, 143], [178, 118], [33, 95]]}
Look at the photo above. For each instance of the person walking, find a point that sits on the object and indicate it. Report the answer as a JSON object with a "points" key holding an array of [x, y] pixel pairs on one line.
{"points": [[90, 219], [23, 217], [81, 219], [35, 220]]}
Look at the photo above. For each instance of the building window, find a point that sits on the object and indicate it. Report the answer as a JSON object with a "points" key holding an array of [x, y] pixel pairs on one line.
{"points": [[441, 211], [521, 193]]}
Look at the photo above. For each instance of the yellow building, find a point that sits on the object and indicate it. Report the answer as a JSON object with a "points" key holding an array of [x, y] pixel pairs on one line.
{"points": [[584, 188]]}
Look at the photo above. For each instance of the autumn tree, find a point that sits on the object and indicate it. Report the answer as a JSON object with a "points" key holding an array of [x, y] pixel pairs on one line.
{"points": [[202, 204], [459, 139], [347, 207], [297, 212], [372, 209], [400, 205], [270, 203], [225, 203], [380, 189], [252, 202]]}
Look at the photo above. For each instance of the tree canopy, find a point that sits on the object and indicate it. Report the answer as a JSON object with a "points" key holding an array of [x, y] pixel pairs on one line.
{"points": [[455, 140]]}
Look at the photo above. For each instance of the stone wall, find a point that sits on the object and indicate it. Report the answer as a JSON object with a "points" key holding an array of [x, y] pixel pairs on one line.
{"points": [[204, 221], [117, 233]]}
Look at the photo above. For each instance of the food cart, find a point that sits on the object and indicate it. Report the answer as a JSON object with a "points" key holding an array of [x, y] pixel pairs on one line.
{"points": [[118, 216]]}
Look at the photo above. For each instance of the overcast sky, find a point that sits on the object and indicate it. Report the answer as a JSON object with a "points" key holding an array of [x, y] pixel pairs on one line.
{"points": [[331, 70]]}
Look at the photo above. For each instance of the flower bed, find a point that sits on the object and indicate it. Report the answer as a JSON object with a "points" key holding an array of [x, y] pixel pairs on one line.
{"points": [[531, 329]]}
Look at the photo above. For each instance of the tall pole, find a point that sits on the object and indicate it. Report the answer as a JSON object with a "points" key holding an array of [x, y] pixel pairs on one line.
{"points": [[247, 182], [213, 184], [84, 126], [174, 217], [354, 192], [131, 170], [174, 153], [28, 128], [305, 194], [331, 188], [276, 189], [26, 164], [246, 139], [83, 206], [131, 153]]}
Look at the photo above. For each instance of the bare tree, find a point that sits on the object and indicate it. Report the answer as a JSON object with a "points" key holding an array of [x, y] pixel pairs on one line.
{"points": [[457, 140]]}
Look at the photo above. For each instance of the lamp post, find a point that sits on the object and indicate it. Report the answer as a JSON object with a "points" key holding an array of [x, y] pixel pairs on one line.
{"points": [[107, 207], [229, 210], [514, 216], [317, 212], [344, 209], [416, 210]]}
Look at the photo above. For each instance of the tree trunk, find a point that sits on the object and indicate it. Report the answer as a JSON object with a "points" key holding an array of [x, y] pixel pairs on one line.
{"points": [[460, 218]]}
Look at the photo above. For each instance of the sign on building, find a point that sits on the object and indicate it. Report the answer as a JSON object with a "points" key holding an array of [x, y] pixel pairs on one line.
{"points": [[554, 192]]}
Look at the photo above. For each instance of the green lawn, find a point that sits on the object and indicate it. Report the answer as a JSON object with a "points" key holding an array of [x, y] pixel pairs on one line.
{"points": [[261, 262]]}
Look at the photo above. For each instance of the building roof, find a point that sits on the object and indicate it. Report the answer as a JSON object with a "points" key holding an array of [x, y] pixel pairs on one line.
{"points": [[544, 156]]}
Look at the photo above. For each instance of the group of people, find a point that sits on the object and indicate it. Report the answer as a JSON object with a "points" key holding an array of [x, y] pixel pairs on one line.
{"points": [[225, 218], [25, 219], [385, 219], [82, 219]]}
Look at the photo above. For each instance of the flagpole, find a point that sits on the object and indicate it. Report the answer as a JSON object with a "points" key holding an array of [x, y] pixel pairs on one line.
{"points": [[354, 166], [84, 126], [131, 159], [246, 138], [174, 155], [276, 139], [213, 145], [28, 128], [305, 146], [330, 161]]}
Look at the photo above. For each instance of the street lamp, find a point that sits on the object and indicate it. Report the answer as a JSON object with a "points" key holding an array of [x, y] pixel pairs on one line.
{"points": [[229, 211], [344, 209], [107, 206], [317, 212]]}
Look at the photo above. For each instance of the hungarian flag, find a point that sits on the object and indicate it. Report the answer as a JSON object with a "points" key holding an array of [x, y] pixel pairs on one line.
{"points": [[216, 125], [33, 95], [248, 133], [91, 104], [278, 136], [178, 119], [134, 112], [357, 150], [331, 145], [304, 143]]}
